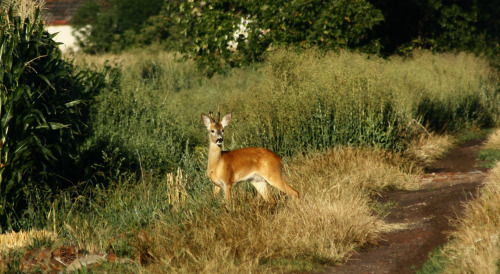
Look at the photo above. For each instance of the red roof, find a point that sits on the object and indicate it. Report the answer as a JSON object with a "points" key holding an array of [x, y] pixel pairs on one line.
{"points": [[59, 12]]}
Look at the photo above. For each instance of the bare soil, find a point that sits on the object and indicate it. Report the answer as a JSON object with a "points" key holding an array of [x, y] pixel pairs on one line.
{"points": [[421, 220]]}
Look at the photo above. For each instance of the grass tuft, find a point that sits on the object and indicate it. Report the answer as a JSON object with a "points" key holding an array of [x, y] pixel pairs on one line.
{"points": [[427, 148], [474, 248]]}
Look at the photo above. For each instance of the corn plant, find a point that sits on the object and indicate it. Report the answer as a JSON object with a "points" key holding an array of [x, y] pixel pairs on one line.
{"points": [[42, 111]]}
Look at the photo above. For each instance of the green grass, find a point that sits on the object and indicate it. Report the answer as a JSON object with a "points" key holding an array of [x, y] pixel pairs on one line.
{"points": [[489, 157], [436, 263], [470, 134], [13, 261], [39, 242], [383, 209]]}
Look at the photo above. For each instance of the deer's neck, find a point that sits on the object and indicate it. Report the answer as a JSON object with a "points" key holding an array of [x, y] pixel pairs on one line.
{"points": [[214, 156]]}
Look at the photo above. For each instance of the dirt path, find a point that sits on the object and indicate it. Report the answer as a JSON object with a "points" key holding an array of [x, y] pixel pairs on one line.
{"points": [[420, 220]]}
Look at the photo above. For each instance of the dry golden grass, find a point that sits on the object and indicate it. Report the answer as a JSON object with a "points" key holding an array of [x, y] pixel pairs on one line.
{"points": [[429, 147], [493, 141], [331, 220], [177, 194], [23, 8], [361, 169], [16, 240], [475, 244]]}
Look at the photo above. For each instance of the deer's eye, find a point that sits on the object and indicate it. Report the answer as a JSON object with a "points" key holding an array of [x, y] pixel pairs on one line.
{"points": [[222, 131], [213, 131]]}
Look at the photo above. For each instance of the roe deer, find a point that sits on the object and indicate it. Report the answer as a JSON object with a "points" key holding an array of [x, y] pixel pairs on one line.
{"points": [[256, 164]]}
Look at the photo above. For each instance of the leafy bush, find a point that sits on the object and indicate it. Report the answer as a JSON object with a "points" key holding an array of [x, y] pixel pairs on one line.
{"points": [[43, 113], [235, 33]]}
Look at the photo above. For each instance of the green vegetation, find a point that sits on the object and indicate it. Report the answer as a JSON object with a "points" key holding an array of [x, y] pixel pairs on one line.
{"points": [[490, 154], [436, 263], [293, 103], [227, 33], [148, 125], [489, 157], [109, 153], [44, 109], [383, 209], [219, 34], [116, 24]]}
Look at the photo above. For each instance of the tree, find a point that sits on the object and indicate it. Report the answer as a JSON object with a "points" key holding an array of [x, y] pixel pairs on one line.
{"points": [[112, 25], [440, 25], [236, 32]]}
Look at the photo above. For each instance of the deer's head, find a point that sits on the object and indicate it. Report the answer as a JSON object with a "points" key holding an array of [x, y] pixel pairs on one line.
{"points": [[215, 127]]}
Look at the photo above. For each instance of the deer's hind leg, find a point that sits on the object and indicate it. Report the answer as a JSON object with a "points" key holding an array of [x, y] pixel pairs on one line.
{"points": [[261, 186], [278, 182]]}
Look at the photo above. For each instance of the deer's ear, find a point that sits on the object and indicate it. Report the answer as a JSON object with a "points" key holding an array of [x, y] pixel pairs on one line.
{"points": [[207, 121], [225, 120]]}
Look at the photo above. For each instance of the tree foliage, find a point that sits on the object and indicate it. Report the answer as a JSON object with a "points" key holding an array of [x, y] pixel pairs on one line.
{"points": [[236, 32], [222, 33], [439, 25], [113, 25]]}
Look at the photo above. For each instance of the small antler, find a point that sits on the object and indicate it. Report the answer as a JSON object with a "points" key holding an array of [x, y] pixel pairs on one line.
{"points": [[211, 115]]}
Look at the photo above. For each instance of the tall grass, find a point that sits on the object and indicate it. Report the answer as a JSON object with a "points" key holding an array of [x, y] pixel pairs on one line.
{"points": [[292, 103], [313, 101]]}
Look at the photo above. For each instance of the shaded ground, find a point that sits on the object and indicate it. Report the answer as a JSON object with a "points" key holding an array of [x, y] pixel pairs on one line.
{"points": [[420, 220]]}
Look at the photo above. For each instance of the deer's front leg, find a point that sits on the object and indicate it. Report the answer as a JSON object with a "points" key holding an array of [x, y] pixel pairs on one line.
{"points": [[227, 193], [216, 190]]}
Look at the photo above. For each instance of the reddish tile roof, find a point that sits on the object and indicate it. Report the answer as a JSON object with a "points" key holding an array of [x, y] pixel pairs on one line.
{"points": [[59, 12]]}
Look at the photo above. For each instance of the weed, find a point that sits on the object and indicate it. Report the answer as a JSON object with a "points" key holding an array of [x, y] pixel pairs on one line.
{"points": [[10, 262], [489, 157], [436, 262], [384, 209], [39, 242]]}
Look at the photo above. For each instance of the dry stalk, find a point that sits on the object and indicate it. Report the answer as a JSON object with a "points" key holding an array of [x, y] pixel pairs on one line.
{"points": [[176, 185]]}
